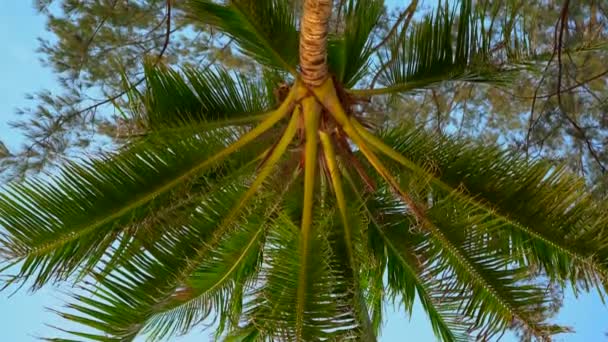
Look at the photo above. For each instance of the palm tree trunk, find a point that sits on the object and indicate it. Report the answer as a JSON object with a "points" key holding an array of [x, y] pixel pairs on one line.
{"points": [[313, 41]]}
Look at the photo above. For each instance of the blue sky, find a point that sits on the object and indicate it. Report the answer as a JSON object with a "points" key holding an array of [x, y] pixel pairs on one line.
{"points": [[24, 316]]}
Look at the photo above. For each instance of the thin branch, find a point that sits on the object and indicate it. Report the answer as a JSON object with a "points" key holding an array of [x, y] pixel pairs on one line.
{"points": [[567, 89], [531, 120], [216, 57], [439, 114], [464, 111], [560, 40], [167, 33], [583, 136], [406, 15], [558, 44], [138, 43], [581, 132], [92, 38]]}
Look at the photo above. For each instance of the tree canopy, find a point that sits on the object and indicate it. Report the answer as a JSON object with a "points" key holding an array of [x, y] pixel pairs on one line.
{"points": [[94, 39]]}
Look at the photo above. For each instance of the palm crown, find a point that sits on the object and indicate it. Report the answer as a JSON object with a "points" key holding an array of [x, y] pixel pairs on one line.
{"points": [[279, 206]]}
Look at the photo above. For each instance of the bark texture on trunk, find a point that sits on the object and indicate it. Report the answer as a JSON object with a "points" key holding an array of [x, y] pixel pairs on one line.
{"points": [[313, 41]]}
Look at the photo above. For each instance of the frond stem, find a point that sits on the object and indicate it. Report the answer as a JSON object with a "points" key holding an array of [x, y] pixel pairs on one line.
{"points": [[477, 276], [311, 112], [334, 172], [327, 95]]}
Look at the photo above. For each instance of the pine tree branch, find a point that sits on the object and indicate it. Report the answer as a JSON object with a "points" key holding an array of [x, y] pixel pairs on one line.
{"points": [[405, 15], [60, 121], [559, 44]]}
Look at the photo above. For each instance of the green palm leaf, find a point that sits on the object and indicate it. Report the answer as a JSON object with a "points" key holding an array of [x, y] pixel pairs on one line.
{"points": [[396, 249], [464, 283], [483, 282], [53, 229], [508, 247], [556, 234], [197, 99], [264, 29], [161, 293], [327, 313], [407, 278], [196, 264], [349, 54], [56, 228], [218, 284], [432, 53]]}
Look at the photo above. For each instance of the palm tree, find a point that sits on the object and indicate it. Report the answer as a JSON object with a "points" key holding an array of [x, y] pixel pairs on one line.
{"points": [[279, 207]]}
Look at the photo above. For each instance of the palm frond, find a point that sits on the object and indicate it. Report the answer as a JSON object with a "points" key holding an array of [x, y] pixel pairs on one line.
{"points": [[484, 284], [407, 278], [396, 248], [346, 242], [56, 228], [52, 229], [447, 260], [160, 292], [432, 53], [560, 192], [271, 313], [562, 233], [197, 99], [216, 284], [220, 251], [349, 54], [264, 29]]}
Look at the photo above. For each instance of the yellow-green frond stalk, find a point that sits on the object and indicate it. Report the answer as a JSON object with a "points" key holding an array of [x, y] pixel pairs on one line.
{"points": [[376, 143], [311, 111], [285, 108], [327, 95], [336, 182], [267, 168], [269, 164]]}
